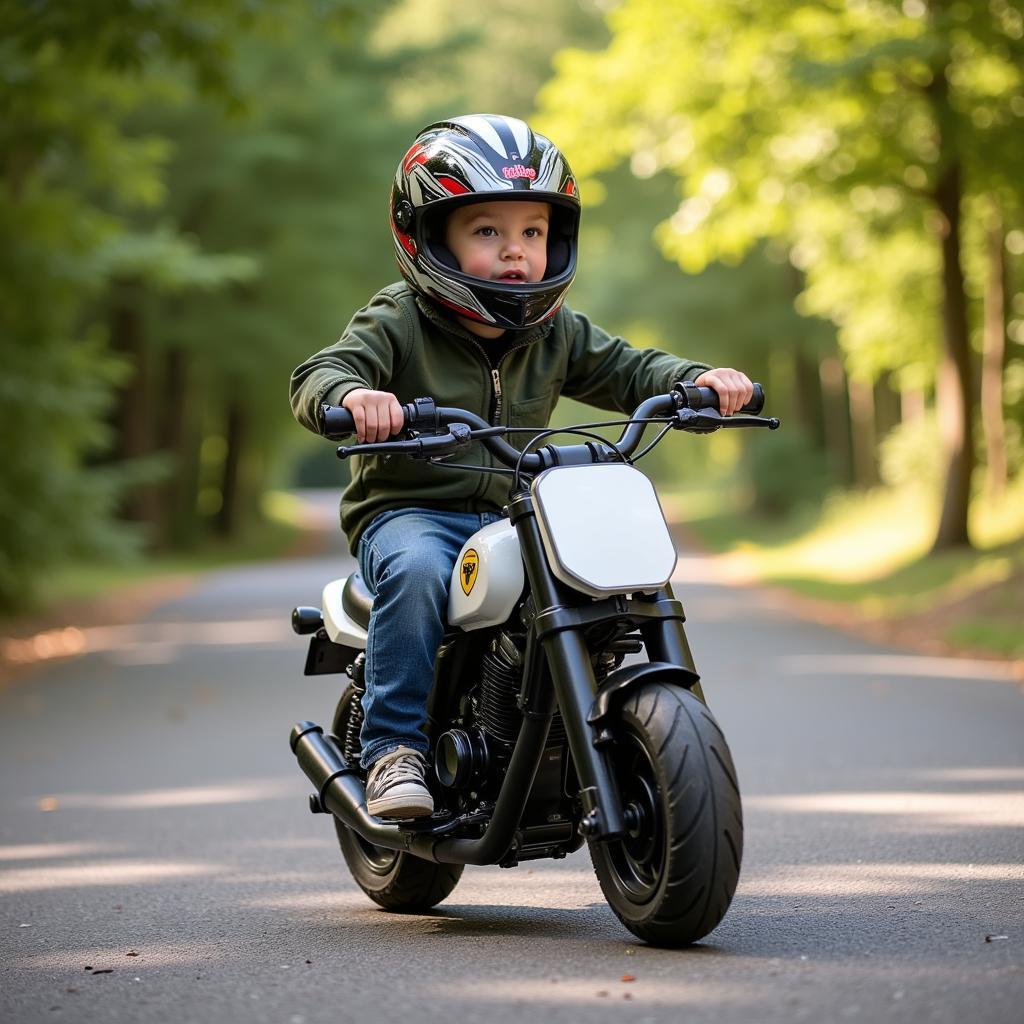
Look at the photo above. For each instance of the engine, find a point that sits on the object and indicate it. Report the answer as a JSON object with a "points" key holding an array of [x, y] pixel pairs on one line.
{"points": [[475, 755]]}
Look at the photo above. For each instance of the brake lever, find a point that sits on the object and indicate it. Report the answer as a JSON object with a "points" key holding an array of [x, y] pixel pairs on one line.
{"points": [[743, 420], [707, 421], [429, 447]]}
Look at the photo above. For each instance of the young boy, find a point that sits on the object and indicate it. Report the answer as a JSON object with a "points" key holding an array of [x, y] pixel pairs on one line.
{"points": [[485, 218]]}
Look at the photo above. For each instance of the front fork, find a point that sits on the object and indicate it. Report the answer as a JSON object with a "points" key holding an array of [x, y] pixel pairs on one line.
{"points": [[558, 626]]}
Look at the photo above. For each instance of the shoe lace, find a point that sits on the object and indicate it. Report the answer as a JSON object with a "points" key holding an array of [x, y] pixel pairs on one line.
{"points": [[407, 768]]}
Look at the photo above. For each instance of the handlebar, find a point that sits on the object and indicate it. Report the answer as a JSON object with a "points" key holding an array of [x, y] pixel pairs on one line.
{"points": [[686, 407]]}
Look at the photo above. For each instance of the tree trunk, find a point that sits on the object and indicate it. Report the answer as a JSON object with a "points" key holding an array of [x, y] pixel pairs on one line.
{"points": [[953, 385], [912, 405], [174, 440], [133, 418], [836, 418], [953, 390], [862, 418], [807, 397], [227, 517], [887, 407], [993, 358]]}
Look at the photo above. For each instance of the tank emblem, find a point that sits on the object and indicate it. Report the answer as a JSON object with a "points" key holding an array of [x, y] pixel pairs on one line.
{"points": [[468, 571]]}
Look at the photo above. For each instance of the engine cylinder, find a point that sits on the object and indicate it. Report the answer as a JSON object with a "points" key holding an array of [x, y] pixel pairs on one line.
{"points": [[502, 671]]}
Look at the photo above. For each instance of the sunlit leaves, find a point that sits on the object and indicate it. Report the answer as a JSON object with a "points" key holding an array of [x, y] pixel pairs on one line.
{"points": [[819, 119]]}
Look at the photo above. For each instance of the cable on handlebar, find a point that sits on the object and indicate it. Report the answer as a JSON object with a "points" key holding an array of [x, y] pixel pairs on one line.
{"points": [[516, 483], [661, 433]]}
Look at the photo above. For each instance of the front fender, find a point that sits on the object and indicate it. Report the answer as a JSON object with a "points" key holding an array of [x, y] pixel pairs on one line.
{"points": [[614, 690]]}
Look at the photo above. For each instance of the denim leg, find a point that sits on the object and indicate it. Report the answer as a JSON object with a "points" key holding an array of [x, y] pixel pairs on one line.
{"points": [[406, 557]]}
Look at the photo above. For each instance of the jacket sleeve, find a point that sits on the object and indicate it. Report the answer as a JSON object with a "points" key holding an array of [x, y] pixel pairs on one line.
{"points": [[370, 350], [608, 372]]}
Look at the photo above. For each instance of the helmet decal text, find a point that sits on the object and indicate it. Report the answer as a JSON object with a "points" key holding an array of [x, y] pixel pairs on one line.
{"points": [[519, 171]]}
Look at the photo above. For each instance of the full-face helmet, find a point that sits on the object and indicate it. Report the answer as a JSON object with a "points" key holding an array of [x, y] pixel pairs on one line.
{"points": [[473, 159]]}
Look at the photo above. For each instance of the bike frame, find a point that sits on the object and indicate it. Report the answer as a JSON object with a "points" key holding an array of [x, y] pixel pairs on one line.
{"points": [[557, 672], [555, 643]]}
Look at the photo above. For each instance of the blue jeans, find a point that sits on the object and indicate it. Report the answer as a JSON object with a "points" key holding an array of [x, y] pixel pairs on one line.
{"points": [[406, 557]]}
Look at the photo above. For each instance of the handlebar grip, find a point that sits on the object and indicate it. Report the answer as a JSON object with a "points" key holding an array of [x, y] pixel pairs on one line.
{"points": [[695, 397], [756, 403], [338, 422]]}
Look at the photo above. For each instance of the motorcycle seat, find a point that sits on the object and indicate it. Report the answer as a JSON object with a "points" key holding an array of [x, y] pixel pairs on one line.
{"points": [[357, 600]]}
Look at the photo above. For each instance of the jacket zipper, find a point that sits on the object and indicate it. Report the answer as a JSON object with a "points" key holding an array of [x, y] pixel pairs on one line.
{"points": [[498, 398], [496, 378], [499, 402]]}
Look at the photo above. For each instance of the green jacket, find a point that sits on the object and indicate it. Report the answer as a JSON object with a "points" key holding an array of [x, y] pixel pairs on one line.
{"points": [[401, 344]]}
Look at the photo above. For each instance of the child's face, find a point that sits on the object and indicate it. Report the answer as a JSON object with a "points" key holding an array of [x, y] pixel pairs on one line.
{"points": [[500, 241]]}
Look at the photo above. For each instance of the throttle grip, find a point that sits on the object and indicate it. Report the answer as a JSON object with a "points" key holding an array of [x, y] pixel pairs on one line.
{"points": [[695, 397]]}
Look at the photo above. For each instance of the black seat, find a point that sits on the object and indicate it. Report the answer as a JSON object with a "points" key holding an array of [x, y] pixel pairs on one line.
{"points": [[356, 600]]}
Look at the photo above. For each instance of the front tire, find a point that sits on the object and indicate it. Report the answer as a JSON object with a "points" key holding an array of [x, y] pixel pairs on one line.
{"points": [[394, 880], [672, 878]]}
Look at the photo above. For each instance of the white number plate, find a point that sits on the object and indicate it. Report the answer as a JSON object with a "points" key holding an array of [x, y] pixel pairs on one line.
{"points": [[603, 529]]}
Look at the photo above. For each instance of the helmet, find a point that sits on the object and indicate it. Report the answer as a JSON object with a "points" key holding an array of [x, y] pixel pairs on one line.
{"points": [[472, 159]]}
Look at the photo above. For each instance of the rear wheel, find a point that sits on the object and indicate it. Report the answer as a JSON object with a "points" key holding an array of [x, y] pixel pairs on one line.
{"points": [[672, 878], [392, 879]]}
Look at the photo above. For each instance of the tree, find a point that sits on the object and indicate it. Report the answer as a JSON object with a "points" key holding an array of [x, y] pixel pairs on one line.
{"points": [[66, 169], [851, 132], [74, 176]]}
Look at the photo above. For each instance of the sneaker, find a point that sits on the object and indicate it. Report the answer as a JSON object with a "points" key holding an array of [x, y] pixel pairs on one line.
{"points": [[396, 787]]}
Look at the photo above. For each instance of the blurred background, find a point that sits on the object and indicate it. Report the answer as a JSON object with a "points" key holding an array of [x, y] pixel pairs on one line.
{"points": [[826, 195]]}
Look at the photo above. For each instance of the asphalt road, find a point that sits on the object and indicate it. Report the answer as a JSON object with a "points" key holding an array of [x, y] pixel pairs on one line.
{"points": [[158, 862]]}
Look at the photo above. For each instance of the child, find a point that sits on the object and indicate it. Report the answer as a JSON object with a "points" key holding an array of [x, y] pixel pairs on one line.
{"points": [[485, 218]]}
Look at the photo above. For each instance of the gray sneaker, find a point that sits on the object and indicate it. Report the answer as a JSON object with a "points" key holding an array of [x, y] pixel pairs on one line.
{"points": [[396, 788]]}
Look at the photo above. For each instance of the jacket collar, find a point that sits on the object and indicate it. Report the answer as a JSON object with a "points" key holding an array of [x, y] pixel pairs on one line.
{"points": [[450, 325]]}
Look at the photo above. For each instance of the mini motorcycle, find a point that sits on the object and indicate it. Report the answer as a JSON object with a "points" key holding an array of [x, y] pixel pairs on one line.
{"points": [[566, 707]]}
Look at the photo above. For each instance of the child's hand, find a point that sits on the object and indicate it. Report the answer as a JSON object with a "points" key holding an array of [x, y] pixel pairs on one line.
{"points": [[733, 387], [377, 414]]}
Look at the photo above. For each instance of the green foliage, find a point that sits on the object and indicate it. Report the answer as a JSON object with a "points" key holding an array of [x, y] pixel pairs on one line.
{"points": [[81, 188], [908, 455], [786, 472], [846, 134], [811, 124]]}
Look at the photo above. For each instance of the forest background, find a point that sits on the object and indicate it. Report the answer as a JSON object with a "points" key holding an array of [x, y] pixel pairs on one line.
{"points": [[828, 195]]}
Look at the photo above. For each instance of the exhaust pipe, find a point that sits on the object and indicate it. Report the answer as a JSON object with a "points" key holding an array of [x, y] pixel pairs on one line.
{"points": [[340, 791], [338, 786]]}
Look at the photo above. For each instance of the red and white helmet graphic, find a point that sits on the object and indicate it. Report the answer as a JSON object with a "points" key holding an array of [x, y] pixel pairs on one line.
{"points": [[472, 159]]}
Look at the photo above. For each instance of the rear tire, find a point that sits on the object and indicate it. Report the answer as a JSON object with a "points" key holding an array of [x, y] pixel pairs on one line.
{"points": [[394, 880], [671, 880]]}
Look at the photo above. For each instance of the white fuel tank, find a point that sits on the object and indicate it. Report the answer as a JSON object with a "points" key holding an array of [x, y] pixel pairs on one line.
{"points": [[487, 579]]}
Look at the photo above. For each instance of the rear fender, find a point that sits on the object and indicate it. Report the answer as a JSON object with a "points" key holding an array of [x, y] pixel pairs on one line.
{"points": [[325, 656]]}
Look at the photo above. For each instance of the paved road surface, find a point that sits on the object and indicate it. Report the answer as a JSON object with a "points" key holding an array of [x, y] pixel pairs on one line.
{"points": [[153, 826]]}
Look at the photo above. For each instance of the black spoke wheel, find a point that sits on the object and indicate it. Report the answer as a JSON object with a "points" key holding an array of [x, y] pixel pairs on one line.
{"points": [[392, 879], [671, 878]]}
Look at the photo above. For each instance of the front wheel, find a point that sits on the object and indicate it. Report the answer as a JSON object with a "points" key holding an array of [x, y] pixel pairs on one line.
{"points": [[393, 880], [672, 878]]}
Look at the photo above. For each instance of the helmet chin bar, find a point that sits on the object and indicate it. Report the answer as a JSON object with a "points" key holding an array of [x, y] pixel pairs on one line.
{"points": [[515, 306]]}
